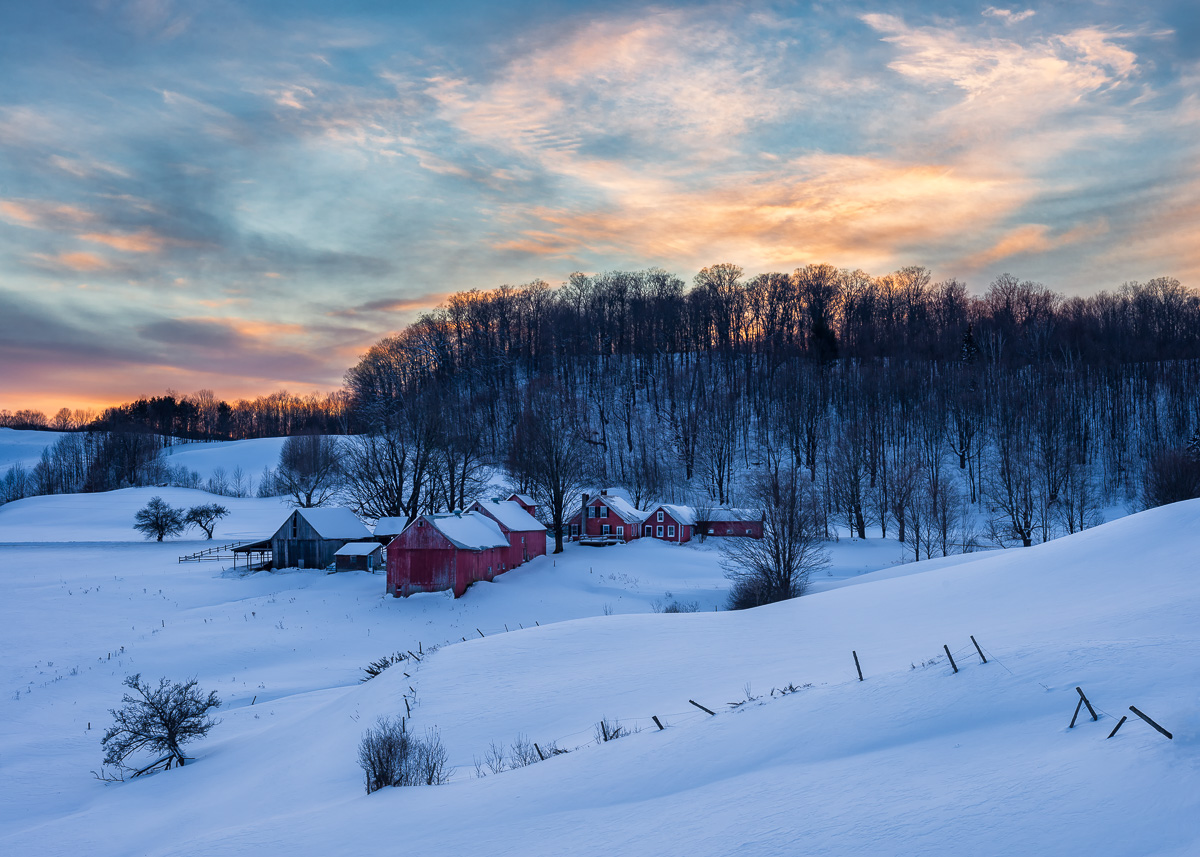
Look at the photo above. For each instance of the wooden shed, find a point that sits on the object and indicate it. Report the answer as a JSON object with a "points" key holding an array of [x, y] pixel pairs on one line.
{"points": [[446, 551], [359, 556], [670, 523], [309, 538], [526, 534]]}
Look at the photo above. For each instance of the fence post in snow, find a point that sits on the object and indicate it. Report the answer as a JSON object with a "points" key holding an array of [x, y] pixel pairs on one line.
{"points": [[981, 657], [480, 632], [1152, 723], [1084, 700], [1118, 726], [539, 752], [653, 717], [1078, 706], [856, 665], [702, 708], [950, 656]]}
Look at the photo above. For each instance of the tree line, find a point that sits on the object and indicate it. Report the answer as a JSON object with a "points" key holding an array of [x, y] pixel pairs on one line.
{"points": [[910, 407]]}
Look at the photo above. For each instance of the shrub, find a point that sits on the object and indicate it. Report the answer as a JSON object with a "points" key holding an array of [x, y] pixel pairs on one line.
{"points": [[376, 667], [390, 756]]}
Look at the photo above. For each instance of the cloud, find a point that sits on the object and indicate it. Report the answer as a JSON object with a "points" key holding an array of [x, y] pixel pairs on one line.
{"points": [[1008, 16], [145, 241], [73, 261], [1028, 239]]}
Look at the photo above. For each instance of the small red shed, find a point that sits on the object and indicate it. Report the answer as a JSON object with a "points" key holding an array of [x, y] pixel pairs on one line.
{"points": [[446, 551], [526, 535], [670, 523], [735, 522]]}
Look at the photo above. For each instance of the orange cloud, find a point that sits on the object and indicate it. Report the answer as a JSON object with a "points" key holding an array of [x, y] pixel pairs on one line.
{"points": [[78, 261], [144, 241]]}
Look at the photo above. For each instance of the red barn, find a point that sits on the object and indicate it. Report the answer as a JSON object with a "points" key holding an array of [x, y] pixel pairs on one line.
{"points": [[607, 515], [525, 502], [526, 535], [446, 551], [735, 522]]}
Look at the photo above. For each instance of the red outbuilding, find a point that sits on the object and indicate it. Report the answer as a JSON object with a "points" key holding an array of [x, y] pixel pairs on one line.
{"points": [[679, 523], [446, 551], [526, 535], [670, 523], [735, 522], [608, 515]]}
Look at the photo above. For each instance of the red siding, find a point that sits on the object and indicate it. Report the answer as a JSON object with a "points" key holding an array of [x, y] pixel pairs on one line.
{"points": [[421, 559], [753, 529], [518, 552]]}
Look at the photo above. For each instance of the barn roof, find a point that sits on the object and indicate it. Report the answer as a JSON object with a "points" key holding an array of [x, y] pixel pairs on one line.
{"points": [[389, 526], [358, 549], [469, 530], [511, 515], [335, 523], [523, 498], [734, 515]]}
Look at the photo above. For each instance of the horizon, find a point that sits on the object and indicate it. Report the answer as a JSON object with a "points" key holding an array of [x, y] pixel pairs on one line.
{"points": [[245, 197]]}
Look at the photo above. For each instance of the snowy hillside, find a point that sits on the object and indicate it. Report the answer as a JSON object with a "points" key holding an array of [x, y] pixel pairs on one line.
{"points": [[20, 446], [914, 760], [250, 455]]}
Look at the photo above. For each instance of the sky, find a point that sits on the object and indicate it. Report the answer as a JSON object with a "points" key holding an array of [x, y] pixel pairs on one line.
{"points": [[243, 196]]}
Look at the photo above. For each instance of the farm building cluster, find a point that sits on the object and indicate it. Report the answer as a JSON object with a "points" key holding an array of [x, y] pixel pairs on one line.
{"points": [[452, 550]]}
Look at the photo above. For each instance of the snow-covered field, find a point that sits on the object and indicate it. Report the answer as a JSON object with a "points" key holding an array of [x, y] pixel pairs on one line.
{"points": [[19, 446], [915, 760]]}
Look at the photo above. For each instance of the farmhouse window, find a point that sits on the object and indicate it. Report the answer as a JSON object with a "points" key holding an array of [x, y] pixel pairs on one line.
{"points": [[660, 517], [660, 531], [648, 530], [670, 531], [604, 530], [603, 511], [621, 532]]}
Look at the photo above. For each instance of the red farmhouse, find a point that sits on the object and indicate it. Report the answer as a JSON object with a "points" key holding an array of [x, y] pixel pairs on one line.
{"points": [[526, 536], [607, 515], [446, 551], [678, 523]]}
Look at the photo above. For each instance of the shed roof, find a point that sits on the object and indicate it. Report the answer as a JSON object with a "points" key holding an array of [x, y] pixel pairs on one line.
{"points": [[358, 549], [335, 523], [469, 530], [523, 498], [510, 514], [389, 526]]}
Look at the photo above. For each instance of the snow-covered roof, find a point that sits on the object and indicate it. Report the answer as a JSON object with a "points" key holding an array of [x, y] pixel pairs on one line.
{"points": [[469, 530], [358, 549], [389, 526], [523, 498], [335, 523], [624, 509], [510, 514], [684, 515], [734, 515]]}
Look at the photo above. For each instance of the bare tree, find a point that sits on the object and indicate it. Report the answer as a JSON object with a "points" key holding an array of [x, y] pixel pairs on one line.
{"points": [[158, 719], [205, 516], [777, 566], [159, 518], [310, 469]]}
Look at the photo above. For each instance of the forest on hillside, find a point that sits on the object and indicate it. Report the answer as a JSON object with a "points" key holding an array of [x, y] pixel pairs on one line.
{"points": [[947, 420]]}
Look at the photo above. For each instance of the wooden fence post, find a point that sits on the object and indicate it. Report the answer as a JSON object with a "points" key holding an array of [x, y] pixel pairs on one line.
{"points": [[857, 666], [1078, 706], [981, 657], [480, 632], [950, 656], [1118, 726], [653, 717], [1152, 723], [1084, 700], [541, 755], [702, 708]]}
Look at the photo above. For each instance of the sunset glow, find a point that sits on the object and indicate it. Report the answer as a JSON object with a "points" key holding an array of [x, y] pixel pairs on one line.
{"points": [[243, 197]]}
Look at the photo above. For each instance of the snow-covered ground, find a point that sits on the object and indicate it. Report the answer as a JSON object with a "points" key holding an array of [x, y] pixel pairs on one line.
{"points": [[915, 760], [24, 447], [203, 458]]}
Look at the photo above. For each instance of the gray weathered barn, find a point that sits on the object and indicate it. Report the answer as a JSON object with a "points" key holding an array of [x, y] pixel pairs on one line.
{"points": [[309, 538]]}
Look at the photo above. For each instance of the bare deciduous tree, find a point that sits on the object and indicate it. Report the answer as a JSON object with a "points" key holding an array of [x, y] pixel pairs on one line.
{"points": [[157, 719]]}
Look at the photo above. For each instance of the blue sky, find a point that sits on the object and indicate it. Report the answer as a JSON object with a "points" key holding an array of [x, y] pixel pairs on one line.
{"points": [[243, 196]]}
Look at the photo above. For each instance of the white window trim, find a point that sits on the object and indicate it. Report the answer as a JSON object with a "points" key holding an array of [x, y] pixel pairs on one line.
{"points": [[670, 531], [621, 532], [660, 517], [660, 531]]}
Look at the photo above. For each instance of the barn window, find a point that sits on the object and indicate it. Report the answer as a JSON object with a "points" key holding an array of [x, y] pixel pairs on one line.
{"points": [[296, 526], [747, 532], [660, 532], [660, 517], [420, 523], [522, 540], [671, 531]]}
